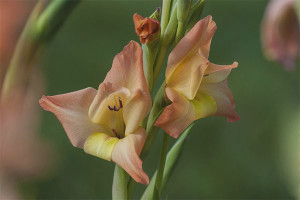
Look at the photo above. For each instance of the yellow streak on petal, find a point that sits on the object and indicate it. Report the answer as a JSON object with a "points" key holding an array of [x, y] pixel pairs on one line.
{"points": [[204, 105], [100, 145]]}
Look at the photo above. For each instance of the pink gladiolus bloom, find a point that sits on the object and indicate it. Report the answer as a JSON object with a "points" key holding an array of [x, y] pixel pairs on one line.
{"points": [[281, 32], [106, 123], [22, 153], [196, 87]]}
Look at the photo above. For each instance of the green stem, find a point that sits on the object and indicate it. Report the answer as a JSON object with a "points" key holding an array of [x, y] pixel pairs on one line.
{"points": [[148, 66], [160, 172], [18, 71], [164, 48], [158, 104], [40, 27], [171, 161], [119, 187], [53, 17]]}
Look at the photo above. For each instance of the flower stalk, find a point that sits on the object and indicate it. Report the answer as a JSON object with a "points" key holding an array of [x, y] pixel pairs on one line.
{"points": [[119, 187], [171, 162], [160, 172], [40, 28]]}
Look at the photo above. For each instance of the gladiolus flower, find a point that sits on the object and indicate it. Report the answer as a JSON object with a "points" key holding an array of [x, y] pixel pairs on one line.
{"points": [[281, 32], [106, 123], [147, 29], [196, 87], [23, 154]]}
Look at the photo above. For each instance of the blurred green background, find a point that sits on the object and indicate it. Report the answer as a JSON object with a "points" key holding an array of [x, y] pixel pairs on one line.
{"points": [[254, 158]]}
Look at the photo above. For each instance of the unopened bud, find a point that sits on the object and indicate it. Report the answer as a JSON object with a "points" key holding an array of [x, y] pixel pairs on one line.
{"points": [[148, 29], [195, 14], [183, 8]]}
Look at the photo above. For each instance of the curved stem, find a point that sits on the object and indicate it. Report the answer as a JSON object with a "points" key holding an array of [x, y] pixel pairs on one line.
{"points": [[160, 172]]}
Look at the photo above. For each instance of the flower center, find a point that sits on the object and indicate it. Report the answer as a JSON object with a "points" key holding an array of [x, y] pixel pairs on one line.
{"points": [[119, 128]]}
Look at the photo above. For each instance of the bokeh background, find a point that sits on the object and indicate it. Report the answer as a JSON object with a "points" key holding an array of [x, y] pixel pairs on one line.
{"points": [[255, 158]]}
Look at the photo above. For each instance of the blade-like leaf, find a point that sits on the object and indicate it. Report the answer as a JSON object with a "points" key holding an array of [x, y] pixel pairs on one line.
{"points": [[171, 161]]}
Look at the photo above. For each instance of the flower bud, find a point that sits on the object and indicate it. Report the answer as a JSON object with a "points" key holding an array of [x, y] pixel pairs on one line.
{"points": [[183, 8], [281, 32], [147, 29], [195, 15]]}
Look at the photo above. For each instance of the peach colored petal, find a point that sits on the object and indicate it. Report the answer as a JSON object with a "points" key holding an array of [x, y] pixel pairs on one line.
{"points": [[216, 77], [71, 109], [127, 69], [135, 110], [126, 155], [187, 77], [177, 116], [212, 68], [224, 99], [197, 40], [137, 20]]}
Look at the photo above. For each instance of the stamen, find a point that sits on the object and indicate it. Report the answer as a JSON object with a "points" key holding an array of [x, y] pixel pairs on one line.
{"points": [[116, 134], [115, 107], [120, 102]]}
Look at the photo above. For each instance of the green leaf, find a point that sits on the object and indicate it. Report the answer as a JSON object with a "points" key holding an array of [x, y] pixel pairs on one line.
{"points": [[171, 162]]}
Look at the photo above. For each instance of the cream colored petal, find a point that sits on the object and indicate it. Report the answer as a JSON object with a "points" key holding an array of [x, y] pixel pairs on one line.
{"points": [[197, 40], [223, 98], [216, 77], [177, 116], [107, 108], [187, 77], [212, 68], [135, 110], [127, 69], [100, 145], [126, 155], [71, 109]]}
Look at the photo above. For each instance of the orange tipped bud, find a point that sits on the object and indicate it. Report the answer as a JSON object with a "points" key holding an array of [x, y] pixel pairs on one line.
{"points": [[147, 29]]}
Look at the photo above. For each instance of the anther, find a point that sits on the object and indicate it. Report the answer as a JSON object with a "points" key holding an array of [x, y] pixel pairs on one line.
{"points": [[120, 102]]}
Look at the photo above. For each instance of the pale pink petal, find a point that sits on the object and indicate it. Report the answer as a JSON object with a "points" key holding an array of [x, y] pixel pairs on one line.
{"points": [[224, 99], [126, 155], [212, 68], [71, 109], [281, 32], [178, 116], [216, 77], [127, 69], [197, 40], [135, 110]]}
